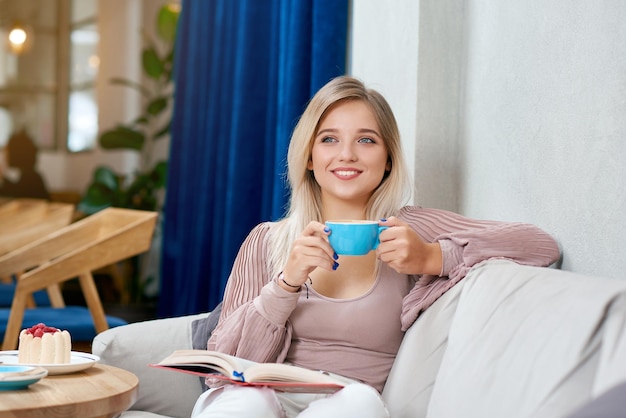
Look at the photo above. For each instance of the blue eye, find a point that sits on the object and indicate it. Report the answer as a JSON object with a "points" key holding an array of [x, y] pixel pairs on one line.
{"points": [[328, 139], [367, 140]]}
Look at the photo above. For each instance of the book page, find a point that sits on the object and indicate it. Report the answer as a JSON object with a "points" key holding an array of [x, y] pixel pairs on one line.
{"points": [[279, 372], [210, 361]]}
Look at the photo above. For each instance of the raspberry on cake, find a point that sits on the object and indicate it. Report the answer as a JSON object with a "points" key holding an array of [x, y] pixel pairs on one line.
{"points": [[41, 344]]}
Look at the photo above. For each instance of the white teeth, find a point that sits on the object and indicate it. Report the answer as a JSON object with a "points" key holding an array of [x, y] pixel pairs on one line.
{"points": [[346, 173]]}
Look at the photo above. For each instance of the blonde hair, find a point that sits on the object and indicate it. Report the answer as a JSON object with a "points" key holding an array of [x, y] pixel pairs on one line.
{"points": [[305, 202]]}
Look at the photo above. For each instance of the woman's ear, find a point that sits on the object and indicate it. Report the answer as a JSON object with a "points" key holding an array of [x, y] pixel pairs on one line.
{"points": [[309, 165], [388, 165]]}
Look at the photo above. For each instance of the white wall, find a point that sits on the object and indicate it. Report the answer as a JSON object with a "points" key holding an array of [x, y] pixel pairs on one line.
{"points": [[382, 50], [526, 116], [544, 97]]}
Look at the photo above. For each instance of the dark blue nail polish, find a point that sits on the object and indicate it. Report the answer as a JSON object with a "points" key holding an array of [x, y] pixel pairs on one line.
{"points": [[383, 220], [326, 229], [335, 265], [335, 256]]}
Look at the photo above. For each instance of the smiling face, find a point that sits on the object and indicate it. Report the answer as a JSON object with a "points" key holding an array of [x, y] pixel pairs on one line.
{"points": [[349, 157]]}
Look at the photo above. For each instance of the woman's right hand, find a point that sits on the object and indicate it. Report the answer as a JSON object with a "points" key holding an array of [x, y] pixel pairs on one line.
{"points": [[308, 252]]}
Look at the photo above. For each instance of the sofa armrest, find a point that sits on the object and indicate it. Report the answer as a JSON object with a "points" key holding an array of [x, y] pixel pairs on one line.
{"points": [[132, 347], [411, 379]]}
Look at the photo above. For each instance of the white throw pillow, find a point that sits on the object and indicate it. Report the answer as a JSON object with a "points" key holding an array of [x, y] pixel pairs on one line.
{"points": [[132, 347]]}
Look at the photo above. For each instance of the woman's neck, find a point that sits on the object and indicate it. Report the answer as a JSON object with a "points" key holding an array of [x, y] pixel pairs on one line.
{"points": [[335, 209]]}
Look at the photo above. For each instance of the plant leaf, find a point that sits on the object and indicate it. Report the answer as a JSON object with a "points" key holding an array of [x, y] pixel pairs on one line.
{"points": [[141, 193], [157, 105], [167, 20], [87, 208], [98, 197], [107, 178], [141, 120], [164, 131], [122, 138], [159, 174], [152, 64]]}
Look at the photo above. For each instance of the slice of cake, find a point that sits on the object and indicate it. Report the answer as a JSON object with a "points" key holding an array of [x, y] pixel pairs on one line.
{"points": [[41, 344]]}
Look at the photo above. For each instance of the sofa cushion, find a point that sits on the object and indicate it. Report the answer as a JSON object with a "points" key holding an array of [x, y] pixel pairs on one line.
{"points": [[201, 329], [7, 290], [525, 341], [410, 382], [134, 346], [75, 319]]}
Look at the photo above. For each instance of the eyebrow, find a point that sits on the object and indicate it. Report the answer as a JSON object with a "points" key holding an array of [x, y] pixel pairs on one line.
{"points": [[361, 131]]}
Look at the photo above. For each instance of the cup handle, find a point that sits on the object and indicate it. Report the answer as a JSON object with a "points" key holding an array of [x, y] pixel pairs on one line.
{"points": [[380, 229]]}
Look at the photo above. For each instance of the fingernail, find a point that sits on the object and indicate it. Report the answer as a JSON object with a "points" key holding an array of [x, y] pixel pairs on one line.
{"points": [[383, 220], [335, 265], [326, 229], [335, 256]]}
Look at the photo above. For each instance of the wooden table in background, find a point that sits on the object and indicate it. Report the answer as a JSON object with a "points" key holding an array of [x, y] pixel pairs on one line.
{"points": [[99, 391]]}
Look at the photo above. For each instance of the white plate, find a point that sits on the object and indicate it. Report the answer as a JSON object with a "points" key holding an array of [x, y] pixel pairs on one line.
{"points": [[14, 377], [78, 361]]}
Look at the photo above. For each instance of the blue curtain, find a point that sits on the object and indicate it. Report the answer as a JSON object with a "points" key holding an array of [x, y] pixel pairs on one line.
{"points": [[244, 72]]}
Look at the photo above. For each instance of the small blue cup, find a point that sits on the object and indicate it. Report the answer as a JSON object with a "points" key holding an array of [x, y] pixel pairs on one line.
{"points": [[354, 237]]}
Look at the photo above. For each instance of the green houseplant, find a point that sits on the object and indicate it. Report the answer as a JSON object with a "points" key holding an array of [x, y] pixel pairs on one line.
{"points": [[143, 189], [140, 191]]}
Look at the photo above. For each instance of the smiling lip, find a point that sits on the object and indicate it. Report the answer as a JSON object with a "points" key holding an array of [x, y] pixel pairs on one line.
{"points": [[346, 173]]}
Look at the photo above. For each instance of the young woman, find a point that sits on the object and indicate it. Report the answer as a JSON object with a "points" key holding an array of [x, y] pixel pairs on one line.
{"points": [[290, 298]]}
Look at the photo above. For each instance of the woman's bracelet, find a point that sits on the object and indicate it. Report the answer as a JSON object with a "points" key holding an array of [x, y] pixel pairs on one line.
{"points": [[281, 277]]}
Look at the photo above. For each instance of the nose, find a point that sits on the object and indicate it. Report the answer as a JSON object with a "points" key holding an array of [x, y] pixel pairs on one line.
{"points": [[347, 151]]}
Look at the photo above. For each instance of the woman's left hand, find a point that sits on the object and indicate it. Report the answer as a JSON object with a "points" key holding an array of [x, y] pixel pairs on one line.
{"points": [[404, 251]]}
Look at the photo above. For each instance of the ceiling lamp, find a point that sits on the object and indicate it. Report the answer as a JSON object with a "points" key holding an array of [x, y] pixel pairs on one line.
{"points": [[20, 39]]}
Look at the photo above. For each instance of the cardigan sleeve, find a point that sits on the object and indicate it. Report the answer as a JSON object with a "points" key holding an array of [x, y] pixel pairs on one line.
{"points": [[464, 243], [253, 323]]}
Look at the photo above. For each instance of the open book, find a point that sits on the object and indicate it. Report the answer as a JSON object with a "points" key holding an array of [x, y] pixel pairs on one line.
{"points": [[278, 376]]}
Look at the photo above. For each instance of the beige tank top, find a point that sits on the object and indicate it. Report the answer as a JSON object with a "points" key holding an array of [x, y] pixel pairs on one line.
{"points": [[357, 337]]}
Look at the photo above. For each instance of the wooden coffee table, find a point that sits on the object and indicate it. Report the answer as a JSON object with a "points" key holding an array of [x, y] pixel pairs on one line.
{"points": [[99, 391]]}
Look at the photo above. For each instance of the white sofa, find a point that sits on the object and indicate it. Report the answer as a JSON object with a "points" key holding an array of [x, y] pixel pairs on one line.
{"points": [[507, 341]]}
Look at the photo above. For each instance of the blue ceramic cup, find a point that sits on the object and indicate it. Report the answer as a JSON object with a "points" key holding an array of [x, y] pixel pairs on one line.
{"points": [[354, 237]]}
